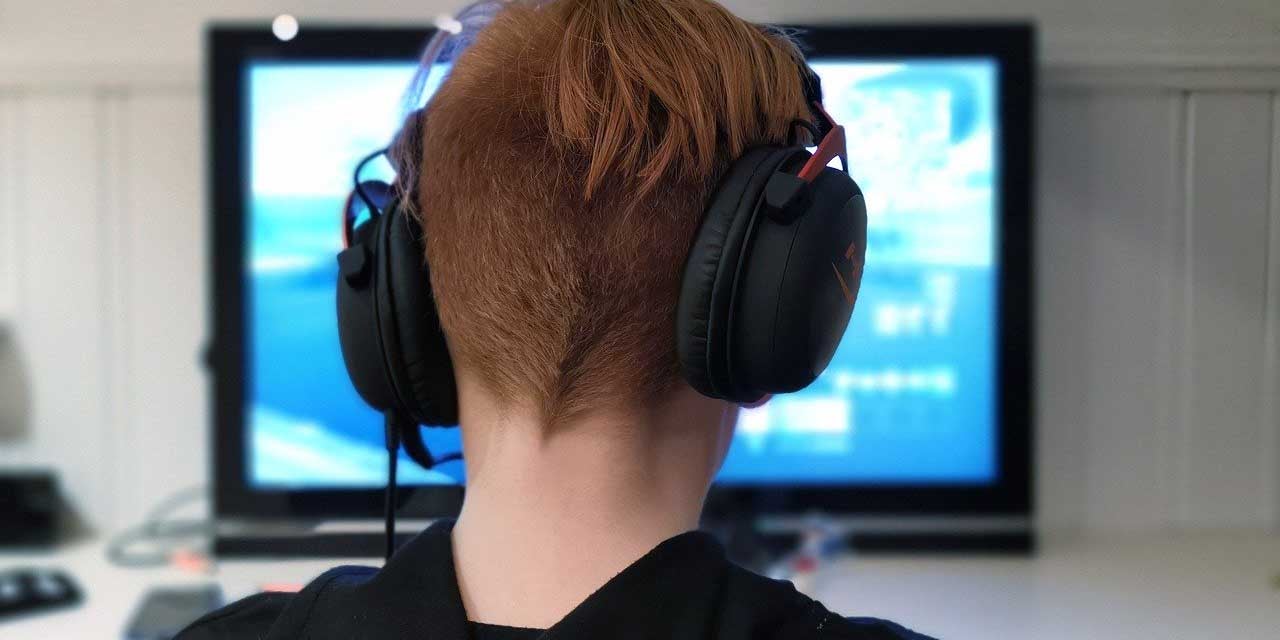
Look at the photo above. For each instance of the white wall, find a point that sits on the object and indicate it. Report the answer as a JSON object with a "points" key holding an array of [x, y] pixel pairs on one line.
{"points": [[1159, 234], [149, 33], [1158, 230]]}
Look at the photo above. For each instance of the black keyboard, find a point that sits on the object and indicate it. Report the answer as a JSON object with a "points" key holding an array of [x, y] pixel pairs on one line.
{"points": [[24, 591]]}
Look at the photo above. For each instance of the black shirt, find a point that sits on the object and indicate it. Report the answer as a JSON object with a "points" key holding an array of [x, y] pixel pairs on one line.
{"points": [[684, 589], [499, 632]]}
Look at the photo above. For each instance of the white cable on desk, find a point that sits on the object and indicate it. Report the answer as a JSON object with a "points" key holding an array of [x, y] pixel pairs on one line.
{"points": [[161, 535]]}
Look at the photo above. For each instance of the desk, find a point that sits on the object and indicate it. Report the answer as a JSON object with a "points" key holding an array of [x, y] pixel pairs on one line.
{"points": [[111, 593], [1191, 586]]}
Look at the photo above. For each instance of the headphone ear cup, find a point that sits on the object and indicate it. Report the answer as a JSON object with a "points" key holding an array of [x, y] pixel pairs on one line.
{"points": [[417, 356], [798, 289], [706, 306], [358, 321]]}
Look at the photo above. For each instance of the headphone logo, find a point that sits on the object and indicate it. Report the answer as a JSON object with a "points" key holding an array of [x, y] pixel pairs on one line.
{"points": [[854, 273]]}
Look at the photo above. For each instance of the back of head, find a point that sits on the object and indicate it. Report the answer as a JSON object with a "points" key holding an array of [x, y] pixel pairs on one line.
{"points": [[566, 163]]}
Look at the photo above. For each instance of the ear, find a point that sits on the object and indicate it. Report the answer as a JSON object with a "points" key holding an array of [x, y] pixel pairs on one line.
{"points": [[757, 403]]}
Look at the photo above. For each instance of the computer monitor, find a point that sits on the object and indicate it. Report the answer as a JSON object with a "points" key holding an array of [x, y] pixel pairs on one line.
{"points": [[925, 408]]}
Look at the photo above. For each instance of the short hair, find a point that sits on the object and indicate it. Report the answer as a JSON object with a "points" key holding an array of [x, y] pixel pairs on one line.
{"points": [[566, 162]]}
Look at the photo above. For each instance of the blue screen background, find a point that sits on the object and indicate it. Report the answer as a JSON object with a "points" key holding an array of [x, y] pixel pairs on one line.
{"points": [[909, 398]]}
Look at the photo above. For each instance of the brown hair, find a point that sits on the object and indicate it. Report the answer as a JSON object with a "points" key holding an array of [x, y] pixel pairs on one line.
{"points": [[566, 162]]}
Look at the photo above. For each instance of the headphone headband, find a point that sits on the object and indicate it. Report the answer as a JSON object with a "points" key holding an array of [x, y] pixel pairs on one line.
{"points": [[759, 310]]}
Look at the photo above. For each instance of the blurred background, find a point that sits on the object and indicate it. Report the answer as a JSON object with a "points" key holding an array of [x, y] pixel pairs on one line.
{"points": [[1156, 201]]}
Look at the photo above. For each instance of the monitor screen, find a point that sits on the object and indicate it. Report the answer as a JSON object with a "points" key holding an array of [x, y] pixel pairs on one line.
{"points": [[909, 398]]}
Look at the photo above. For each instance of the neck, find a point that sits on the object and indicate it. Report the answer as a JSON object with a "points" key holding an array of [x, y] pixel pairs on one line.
{"points": [[550, 515]]}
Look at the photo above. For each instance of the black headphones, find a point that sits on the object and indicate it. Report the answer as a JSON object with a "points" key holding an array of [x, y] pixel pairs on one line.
{"points": [[767, 292]]}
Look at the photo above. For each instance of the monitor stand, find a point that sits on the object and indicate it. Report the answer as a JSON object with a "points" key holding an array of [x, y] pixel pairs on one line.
{"points": [[316, 539], [752, 541]]}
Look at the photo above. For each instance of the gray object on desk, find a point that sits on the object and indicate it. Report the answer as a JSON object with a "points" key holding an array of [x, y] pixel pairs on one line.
{"points": [[164, 611], [15, 389]]}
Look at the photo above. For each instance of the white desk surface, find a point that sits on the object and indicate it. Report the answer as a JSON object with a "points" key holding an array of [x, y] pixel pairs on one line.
{"points": [[1199, 586]]}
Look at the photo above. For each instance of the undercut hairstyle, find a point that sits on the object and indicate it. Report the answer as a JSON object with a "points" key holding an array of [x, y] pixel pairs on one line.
{"points": [[566, 162]]}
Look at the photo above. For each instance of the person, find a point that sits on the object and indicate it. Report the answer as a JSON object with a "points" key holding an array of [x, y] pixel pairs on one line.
{"points": [[565, 165]]}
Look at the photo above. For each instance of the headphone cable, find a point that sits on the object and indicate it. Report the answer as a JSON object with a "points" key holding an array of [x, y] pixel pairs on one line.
{"points": [[391, 432], [399, 432], [374, 210]]}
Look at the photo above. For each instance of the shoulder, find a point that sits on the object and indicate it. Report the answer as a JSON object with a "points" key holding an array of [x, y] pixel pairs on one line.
{"points": [[867, 629], [756, 606], [247, 618], [259, 615]]}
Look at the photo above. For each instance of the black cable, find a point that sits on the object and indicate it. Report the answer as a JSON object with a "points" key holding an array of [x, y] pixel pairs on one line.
{"points": [[391, 431], [399, 432], [359, 188], [448, 457], [814, 134], [416, 448]]}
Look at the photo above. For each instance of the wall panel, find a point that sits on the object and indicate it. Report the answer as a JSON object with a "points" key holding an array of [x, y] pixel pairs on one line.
{"points": [[1229, 141], [1107, 203], [14, 392], [1269, 451], [164, 258], [1158, 235], [116, 175], [9, 181], [59, 323]]}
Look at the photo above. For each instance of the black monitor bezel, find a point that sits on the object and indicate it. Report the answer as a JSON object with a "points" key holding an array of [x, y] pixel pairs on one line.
{"points": [[229, 48]]}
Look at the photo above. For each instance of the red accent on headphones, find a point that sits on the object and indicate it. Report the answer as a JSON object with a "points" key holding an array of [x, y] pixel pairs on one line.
{"points": [[832, 146]]}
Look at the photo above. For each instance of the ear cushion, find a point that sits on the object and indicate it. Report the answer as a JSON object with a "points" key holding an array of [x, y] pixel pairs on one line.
{"points": [[797, 290], [708, 285], [417, 356], [358, 319]]}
